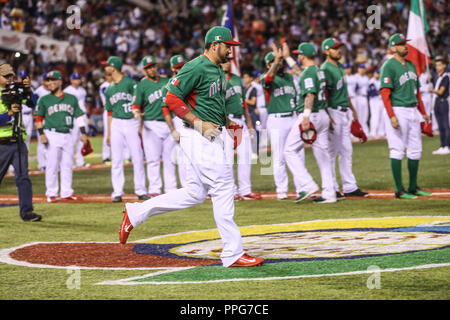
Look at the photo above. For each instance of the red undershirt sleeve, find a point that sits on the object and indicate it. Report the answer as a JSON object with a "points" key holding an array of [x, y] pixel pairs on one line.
{"points": [[386, 96], [420, 104], [176, 105]]}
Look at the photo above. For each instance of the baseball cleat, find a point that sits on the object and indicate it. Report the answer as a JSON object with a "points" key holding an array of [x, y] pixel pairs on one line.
{"points": [[117, 199], [51, 199], [71, 198], [356, 193], [321, 200], [404, 195], [248, 261], [238, 197], [304, 195], [282, 196], [252, 196], [420, 192], [339, 196], [143, 197], [125, 227]]}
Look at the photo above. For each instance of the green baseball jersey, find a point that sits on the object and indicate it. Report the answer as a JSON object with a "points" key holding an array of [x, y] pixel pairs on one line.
{"points": [[280, 94], [402, 80], [336, 85], [234, 104], [150, 95], [312, 80], [119, 97], [201, 84], [58, 112]]}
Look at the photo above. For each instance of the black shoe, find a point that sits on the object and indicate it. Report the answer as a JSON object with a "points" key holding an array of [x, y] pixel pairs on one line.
{"points": [[356, 193], [117, 199], [143, 197], [339, 196], [31, 216]]}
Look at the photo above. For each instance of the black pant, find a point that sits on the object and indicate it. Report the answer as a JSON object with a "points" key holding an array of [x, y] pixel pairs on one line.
{"points": [[9, 155], [442, 119]]}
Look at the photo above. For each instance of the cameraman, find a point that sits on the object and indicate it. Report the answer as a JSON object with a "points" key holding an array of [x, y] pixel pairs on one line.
{"points": [[13, 150]]}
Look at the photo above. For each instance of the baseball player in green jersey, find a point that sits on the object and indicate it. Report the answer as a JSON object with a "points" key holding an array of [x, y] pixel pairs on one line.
{"points": [[280, 95], [237, 111], [312, 112], [173, 122], [399, 89], [197, 95], [338, 105], [156, 135], [123, 130], [59, 110]]}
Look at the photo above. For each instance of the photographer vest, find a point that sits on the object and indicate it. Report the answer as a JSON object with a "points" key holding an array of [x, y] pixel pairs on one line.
{"points": [[6, 129]]}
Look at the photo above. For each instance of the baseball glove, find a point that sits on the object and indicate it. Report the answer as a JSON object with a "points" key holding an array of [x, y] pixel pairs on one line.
{"points": [[427, 128], [357, 131], [87, 149], [310, 135], [235, 132]]}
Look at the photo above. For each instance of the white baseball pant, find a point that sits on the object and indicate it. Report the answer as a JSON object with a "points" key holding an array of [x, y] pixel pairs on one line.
{"points": [[278, 128], [78, 145], [340, 144], [177, 153], [376, 117], [208, 173], [408, 136], [125, 132], [294, 144], [106, 150], [59, 157], [159, 144], [244, 159], [361, 105]]}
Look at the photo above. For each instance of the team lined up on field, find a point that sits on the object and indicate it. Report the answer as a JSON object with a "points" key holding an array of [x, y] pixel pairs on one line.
{"points": [[139, 126]]}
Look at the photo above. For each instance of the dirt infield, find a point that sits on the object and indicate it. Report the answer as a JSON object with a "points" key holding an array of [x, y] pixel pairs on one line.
{"points": [[98, 255], [438, 193]]}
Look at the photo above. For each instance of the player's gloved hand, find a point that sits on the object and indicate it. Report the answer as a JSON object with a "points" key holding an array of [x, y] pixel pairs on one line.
{"points": [[175, 135]]}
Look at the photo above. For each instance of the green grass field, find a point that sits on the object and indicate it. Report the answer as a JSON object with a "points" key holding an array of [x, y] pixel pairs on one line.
{"points": [[100, 222]]}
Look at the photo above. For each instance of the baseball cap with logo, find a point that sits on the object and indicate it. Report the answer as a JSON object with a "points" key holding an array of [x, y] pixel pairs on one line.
{"points": [[148, 61], [113, 61], [6, 69], [54, 74], [306, 49], [220, 34], [397, 39], [177, 61], [75, 76], [269, 57], [331, 43]]}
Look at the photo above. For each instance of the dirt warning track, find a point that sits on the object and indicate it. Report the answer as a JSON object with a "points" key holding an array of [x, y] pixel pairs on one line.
{"points": [[439, 193]]}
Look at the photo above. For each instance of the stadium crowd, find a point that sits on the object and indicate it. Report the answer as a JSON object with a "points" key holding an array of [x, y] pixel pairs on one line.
{"points": [[110, 27]]}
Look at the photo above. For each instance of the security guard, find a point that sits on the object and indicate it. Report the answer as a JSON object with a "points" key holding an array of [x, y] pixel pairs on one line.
{"points": [[14, 151]]}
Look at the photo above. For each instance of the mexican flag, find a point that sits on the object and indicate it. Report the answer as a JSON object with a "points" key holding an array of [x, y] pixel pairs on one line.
{"points": [[418, 52]]}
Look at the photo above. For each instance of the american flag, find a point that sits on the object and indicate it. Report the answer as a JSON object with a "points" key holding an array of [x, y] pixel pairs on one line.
{"points": [[228, 22]]}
